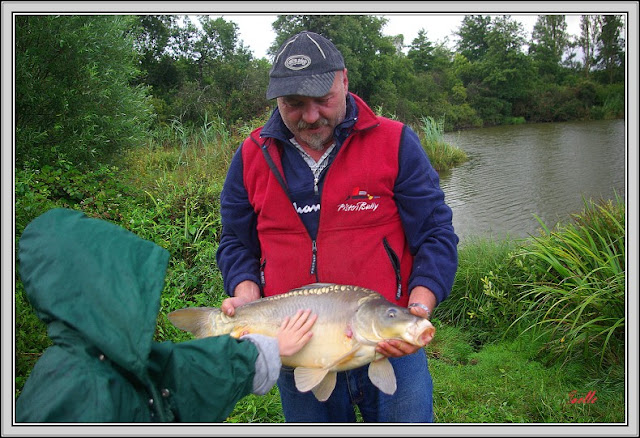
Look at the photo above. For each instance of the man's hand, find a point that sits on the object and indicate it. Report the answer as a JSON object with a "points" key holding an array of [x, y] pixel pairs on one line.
{"points": [[244, 293], [397, 348], [294, 332]]}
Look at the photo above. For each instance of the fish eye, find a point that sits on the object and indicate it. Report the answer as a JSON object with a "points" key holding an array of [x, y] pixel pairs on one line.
{"points": [[391, 313]]}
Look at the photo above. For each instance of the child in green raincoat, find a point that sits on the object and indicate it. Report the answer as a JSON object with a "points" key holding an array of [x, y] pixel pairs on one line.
{"points": [[98, 287]]}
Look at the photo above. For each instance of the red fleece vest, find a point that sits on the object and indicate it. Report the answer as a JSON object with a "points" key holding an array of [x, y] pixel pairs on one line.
{"points": [[360, 237]]}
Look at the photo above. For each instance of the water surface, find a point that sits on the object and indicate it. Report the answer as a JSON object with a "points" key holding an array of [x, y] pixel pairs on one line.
{"points": [[517, 172]]}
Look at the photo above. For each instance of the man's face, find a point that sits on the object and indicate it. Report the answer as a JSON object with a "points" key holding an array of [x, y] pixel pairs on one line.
{"points": [[312, 119]]}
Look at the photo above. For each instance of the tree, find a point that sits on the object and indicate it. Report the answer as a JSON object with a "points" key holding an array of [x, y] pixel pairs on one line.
{"points": [[153, 38], [201, 69], [550, 41], [216, 43], [473, 35], [588, 39], [610, 56], [74, 97], [153, 35], [498, 74], [421, 52]]}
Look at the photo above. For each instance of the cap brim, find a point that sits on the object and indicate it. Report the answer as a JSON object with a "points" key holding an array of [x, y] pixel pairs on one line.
{"points": [[309, 85]]}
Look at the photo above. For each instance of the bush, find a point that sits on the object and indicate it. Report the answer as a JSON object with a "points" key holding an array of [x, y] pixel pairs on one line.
{"points": [[484, 294], [74, 100]]}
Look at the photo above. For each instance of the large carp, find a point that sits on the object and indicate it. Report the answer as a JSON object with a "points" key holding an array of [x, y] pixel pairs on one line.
{"points": [[351, 321]]}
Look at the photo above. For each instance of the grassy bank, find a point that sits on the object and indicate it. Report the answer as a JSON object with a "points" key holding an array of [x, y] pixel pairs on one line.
{"points": [[528, 322]]}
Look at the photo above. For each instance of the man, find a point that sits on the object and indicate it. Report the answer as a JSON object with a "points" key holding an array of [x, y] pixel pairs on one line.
{"points": [[329, 192]]}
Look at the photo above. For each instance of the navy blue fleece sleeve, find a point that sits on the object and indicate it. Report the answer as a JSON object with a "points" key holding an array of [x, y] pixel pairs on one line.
{"points": [[426, 218], [238, 254]]}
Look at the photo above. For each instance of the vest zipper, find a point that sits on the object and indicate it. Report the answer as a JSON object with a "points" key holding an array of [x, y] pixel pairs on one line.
{"points": [[395, 263], [314, 258]]}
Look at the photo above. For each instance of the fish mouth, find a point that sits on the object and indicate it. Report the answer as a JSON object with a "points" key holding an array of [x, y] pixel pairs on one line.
{"points": [[421, 333]]}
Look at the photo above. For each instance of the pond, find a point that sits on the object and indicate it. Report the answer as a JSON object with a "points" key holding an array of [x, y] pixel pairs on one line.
{"points": [[516, 173]]}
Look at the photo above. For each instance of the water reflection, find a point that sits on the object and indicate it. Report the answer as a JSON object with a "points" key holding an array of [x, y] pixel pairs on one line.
{"points": [[518, 172]]}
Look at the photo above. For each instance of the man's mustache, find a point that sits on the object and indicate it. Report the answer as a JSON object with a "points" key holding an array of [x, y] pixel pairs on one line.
{"points": [[304, 125]]}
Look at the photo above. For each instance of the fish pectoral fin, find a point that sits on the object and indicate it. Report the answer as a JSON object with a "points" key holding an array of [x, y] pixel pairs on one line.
{"points": [[308, 378], [240, 331], [382, 375], [345, 357], [324, 389]]}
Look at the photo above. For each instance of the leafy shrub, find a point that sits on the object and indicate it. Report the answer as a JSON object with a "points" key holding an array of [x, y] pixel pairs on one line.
{"points": [[484, 294], [73, 95]]}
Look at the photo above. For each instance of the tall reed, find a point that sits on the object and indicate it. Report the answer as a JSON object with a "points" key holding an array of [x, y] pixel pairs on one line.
{"points": [[442, 155], [575, 295]]}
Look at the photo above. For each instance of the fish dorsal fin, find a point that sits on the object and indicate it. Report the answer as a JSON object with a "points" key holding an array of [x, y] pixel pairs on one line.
{"points": [[308, 378], [324, 389], [382, 375], [315, 285]]}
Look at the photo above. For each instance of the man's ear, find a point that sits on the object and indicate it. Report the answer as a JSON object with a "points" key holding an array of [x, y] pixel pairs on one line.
{"points": [[345, 81]]}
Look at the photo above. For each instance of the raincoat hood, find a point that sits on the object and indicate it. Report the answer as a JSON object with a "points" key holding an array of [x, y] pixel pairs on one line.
{"points": [[94, 282]]}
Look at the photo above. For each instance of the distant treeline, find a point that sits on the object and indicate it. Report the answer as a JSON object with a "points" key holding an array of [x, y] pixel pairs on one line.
{"points": [[88, 86]]}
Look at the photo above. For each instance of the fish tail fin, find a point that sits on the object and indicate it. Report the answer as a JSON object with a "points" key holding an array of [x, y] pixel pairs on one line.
{"points": [[201, 321]]}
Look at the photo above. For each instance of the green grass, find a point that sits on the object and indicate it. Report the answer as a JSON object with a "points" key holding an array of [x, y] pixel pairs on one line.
{"points": [[483, 291], [258, 409], [503, 383]]}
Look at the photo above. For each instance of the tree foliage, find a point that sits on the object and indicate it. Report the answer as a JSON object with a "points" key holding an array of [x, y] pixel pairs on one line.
{"points": [[610, 58], [588, 40], [88, 85], [550, 42], [200, 69], [473, 34], [74, 96]]}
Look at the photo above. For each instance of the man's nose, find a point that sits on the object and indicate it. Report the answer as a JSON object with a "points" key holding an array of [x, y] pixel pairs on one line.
{"points": [[311, 113]]}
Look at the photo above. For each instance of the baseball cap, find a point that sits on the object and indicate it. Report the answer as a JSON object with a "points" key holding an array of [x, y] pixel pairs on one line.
{"points": [[304, 65]]}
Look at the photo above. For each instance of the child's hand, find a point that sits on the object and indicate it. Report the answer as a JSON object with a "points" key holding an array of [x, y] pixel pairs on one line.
{"points": [[294, 333]]}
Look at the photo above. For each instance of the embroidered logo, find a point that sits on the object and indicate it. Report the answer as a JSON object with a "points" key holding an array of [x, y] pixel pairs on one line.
{"points": [[359, 200], [356, 193], [297, 62]]}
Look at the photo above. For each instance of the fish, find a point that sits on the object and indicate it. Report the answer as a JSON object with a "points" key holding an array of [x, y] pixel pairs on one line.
{"points": [[351, 320]]}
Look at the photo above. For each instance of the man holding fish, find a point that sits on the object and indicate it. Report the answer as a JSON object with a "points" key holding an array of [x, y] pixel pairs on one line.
{"points": [[328, 192]]}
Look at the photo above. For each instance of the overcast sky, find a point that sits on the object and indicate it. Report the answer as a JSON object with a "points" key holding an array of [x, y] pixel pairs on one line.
{"points": [[256, 32]]}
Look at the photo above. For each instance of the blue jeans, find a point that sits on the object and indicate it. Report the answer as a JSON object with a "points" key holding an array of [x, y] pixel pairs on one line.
{"points": [[411, 403]]}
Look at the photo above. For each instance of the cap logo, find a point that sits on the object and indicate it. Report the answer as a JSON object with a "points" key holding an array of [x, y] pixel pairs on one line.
{"points": [[297, 62]]}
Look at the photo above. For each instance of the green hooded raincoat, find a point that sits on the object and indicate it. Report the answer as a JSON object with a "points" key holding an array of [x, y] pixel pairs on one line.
{"points": [[98, 287]]}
